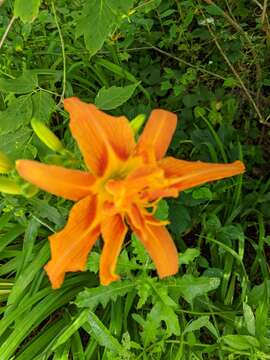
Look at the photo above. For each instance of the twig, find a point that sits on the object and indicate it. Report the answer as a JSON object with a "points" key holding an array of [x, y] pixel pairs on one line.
{"points": [[246, 91], [258, 4], [238, 28], [199, 68], [7, 31], [264, 11], [63, 54]]}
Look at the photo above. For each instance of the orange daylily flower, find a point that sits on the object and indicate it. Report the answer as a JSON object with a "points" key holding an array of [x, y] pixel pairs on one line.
{"points": [[122, 187]]}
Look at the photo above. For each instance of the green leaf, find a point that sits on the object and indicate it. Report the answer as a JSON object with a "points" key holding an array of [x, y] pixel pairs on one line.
{"points": [[202, 193], [188, 256], [17, 114], [27, 82], [189, 287], [114, 97], [102, 335], [214, 10], [26, 10], [98, 19], [179, 217], [162, 211], [249, 319], [14, 144], [43, 106], [240, 342], [103, 294]]}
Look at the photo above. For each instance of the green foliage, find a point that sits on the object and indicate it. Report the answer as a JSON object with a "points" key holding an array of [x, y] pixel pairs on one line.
{"points": [[27, 10], [208, 63], [108, 99]]}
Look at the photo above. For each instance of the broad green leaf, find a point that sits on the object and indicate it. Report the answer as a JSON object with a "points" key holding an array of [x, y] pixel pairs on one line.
{"points": [[214, 10], [188, 256], [202, 193], [103, 294], [179, 217], [241, 342], [249, 319], [197, 324], [26, 83], [43, 106], [15, 144], [189, 287], [17, 114], [26, 10], [162, 211], [114, 96], [42, 209], [98, 19]]}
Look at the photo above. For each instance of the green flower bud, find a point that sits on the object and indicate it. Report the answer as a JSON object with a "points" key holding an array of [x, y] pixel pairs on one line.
{"points": [[5, 164], [137, 123], [9, 186], [47, 136]]}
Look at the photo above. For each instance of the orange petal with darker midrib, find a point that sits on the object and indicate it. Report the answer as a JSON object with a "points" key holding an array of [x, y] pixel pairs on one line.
{"points": [[70, 184], [157, 241], [70, 247], [113, 232], [98, 133], [183, 174], [157, 133]]}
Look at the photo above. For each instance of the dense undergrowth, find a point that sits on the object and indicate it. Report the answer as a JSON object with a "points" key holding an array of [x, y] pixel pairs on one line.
{"points": [[208, 61]]}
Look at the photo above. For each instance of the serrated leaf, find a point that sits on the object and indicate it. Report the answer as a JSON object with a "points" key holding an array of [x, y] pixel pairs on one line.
{"points": [[140, 253], [17, 114], [98, 19], [161, 312], [26, 83], [42, 209], [103, 294], [189, 287], [26, 10], [43, 106], [111, 98]]}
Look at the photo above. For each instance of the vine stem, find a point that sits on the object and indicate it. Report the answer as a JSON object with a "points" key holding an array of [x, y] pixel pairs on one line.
{"points": [[63, 53], [7, 31]]}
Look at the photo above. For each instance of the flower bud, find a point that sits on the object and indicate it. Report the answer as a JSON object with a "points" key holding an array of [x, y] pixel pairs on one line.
{"points": [[137, 123], [47, 136], [5, 164], [9, 186]]}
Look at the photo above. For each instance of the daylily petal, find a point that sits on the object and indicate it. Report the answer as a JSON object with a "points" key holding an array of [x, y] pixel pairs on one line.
{"points": [[70, 247], [98, 133], [70, 184], [183, 174], [113, 231], [157, 241], [157, 133]]}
